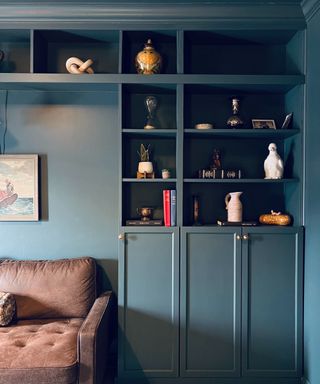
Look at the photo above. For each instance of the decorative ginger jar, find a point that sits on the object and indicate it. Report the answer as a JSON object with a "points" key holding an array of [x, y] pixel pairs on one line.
{"points": [[148, 61]]}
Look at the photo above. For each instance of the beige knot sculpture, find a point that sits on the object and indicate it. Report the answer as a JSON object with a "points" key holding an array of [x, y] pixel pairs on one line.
{"points": [[77, 66]]}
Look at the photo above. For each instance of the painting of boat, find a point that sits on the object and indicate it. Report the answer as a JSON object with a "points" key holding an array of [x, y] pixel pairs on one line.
{"points": [[19, 187], [7, 196]]}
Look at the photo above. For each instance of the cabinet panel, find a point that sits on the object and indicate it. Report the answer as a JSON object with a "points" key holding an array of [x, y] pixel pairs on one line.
{"points": [[272, 309], [148, 303], [15, 45], [210, 302]]}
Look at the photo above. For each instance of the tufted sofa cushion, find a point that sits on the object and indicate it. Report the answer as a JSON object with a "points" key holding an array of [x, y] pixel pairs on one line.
{"points": [[50, 288], [55, 339]]}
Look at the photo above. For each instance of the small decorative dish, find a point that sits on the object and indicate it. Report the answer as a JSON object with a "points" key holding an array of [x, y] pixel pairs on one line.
{"points": [[203, 126]]}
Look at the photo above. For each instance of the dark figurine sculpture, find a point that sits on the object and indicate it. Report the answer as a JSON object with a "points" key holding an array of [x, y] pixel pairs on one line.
{"points": [[196, 210], [216, 160]]}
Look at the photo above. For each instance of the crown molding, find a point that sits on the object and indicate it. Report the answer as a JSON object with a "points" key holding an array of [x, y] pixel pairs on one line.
{"points": [[310, 8], [165, 15]]}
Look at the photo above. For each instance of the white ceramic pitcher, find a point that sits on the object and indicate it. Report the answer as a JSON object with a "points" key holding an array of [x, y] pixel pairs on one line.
{"points": [[234, 206]]}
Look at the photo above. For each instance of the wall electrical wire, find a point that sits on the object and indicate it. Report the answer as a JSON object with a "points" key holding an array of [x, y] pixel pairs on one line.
{"points": [[5, 124]]}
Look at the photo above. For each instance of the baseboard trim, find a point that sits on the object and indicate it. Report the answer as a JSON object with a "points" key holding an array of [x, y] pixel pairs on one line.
{"points": [[212, 380]]}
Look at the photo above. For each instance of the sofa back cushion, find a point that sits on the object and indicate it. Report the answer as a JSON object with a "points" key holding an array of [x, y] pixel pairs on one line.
{"points": [[50, 289]]}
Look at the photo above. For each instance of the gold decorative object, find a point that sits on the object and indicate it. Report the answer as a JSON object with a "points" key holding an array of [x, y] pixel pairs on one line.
{"points": [[275, 218], [145, 213], [148, 61], [76, 66], [235, 120]]}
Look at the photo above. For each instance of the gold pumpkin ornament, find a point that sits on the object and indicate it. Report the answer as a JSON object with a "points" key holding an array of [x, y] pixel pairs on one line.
{"points": [[148, 61], [275, 218]]}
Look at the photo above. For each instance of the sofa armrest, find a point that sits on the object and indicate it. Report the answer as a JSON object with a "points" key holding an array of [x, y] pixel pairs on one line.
{"points": [[94, 339]]}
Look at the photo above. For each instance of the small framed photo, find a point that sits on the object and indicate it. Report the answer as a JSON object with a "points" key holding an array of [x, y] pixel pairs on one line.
{"points": [[263, 124], [287, 121], [19, 188]]}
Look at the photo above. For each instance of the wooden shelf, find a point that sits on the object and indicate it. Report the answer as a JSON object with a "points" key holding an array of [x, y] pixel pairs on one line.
{"points": [[134, 180], [243, 133], [96, 82], [150, 132], [241, 181]]}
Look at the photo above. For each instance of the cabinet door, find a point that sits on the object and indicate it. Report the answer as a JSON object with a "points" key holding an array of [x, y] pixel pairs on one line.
{"points": [[272, 302], [148, 303], [210, 302]]}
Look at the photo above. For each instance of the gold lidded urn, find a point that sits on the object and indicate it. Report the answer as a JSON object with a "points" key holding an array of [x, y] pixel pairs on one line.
{"points": [[235, 121], [148, 61]]}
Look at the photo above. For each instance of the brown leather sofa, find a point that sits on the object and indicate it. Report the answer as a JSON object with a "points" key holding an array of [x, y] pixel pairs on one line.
{"points": [[60, 333]]}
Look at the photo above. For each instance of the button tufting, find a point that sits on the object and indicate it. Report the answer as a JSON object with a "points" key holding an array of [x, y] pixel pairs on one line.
{"points": [[19, 343]]}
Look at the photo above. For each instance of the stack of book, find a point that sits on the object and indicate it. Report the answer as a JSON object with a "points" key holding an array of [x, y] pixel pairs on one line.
{"points": [[170, 207]]}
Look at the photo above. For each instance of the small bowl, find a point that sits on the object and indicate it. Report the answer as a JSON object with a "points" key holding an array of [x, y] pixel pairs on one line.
{"points": [[203, 126]]}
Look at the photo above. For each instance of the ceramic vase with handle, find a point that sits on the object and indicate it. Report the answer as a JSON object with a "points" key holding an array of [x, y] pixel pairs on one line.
{"points": [[234, 206]]}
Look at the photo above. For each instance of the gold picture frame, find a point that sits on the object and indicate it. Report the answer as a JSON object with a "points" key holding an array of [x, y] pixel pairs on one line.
{"points": [[263, 124]]}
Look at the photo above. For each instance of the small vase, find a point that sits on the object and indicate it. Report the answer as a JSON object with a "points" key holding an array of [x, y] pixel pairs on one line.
{"points": [[234, 206], [148, 61], [165, 174], [235, 120], [145, 167]]}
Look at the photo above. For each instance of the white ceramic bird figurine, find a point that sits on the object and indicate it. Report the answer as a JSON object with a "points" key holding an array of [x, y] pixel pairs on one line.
{"points": [[273, 164]]}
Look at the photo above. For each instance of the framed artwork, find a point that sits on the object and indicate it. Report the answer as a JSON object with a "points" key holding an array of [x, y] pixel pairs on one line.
{"points": [[263, 123], [19, 188], [287, 121]]}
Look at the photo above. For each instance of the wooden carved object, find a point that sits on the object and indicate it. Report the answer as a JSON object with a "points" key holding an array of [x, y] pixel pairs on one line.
{"points": [[76, 66]]}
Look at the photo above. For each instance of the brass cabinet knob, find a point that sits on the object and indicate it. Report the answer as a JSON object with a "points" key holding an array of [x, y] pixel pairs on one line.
{"points": [[238, 237], [121, 236], [245, 237]]}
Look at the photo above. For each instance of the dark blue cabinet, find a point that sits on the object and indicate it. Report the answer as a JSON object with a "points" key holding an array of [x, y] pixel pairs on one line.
{"points": [[148, 303], [247, 276], [272, 272], [210, 302]]}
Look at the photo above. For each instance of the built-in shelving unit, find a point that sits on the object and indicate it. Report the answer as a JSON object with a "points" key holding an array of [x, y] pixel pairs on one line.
{"points": [[198, 278], [202, 70]]}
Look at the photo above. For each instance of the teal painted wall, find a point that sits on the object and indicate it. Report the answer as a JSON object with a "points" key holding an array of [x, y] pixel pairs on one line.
{"points": [[76, 135], [312, 245]]}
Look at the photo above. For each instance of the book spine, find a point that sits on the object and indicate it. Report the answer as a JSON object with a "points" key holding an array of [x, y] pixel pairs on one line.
{"points": [[173, 207], [166, 207]]}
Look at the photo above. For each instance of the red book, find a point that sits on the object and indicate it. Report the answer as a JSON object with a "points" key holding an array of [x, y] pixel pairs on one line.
{"points": [[166, 208]]}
